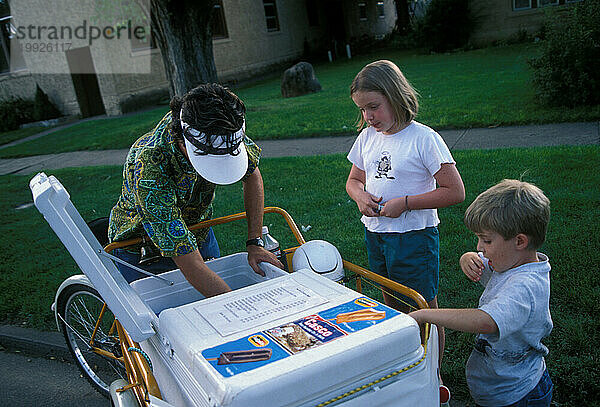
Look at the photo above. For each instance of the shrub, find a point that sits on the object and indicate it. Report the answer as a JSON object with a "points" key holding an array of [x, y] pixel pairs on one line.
{"points": [[14, 112], [567, 73], [17, 111], [43, 108], [446, 25]]}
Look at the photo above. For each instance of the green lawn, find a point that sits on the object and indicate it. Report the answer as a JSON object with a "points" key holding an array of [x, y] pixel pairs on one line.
{"points": [[9, 136], [98, 134], [34, 262], [485, 87]]}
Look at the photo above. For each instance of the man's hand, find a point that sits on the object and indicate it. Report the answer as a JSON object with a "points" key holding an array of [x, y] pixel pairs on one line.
{"points": [[417, 317], [472, 265], [257, 254], [254, 201], [200, 276]]}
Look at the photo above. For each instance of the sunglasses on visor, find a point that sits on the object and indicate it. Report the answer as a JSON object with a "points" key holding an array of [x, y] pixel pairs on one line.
{"points": [[206, 144]]}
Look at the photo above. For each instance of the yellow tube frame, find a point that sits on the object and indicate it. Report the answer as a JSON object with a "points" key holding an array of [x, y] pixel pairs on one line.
{"points": [[139, 373]]}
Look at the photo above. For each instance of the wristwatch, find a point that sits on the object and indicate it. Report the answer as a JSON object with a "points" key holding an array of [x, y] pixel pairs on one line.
{"points": [[257, 241]]}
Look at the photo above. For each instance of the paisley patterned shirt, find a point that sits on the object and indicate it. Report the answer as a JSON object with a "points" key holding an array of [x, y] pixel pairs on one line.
{"points": [[162, 193]]}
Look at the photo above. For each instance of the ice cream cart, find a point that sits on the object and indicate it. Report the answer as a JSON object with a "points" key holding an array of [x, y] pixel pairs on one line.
{"points": [[283, 339]]}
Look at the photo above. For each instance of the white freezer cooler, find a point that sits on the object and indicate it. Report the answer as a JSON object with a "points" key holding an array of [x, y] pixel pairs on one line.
{"points": [[295, 340]]}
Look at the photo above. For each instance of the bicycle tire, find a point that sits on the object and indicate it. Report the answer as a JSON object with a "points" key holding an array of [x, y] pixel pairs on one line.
{"points": [[79, 307]]}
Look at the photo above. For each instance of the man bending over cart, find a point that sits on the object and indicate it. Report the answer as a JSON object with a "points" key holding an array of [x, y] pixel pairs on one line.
{"points": [[169, 179]]}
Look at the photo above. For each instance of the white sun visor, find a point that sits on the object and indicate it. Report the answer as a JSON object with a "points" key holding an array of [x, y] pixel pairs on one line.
{"points": [[219, 159]]}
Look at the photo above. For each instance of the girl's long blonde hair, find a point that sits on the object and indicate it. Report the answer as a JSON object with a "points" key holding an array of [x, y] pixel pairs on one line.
{"points": [[386, 78]]}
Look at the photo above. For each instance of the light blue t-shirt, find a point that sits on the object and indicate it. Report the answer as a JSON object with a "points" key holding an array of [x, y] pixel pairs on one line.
{"points": [[513, 363]]}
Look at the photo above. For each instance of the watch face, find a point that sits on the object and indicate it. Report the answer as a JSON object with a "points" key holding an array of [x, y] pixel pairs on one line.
{"points": [[257, 241]]}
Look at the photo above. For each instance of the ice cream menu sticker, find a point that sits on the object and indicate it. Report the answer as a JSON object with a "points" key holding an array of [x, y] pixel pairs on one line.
{"points": [[280, 342], [258, 307]]}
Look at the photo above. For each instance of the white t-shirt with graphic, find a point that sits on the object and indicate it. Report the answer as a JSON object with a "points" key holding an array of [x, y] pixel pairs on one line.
{"points": [[397, 165]]}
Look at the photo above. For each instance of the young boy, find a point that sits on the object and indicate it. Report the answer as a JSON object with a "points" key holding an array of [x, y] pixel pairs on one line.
{"points": [[506, 366]]}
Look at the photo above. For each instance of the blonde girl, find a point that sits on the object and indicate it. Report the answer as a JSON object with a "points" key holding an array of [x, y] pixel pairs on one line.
{"points": [[402, 171]]}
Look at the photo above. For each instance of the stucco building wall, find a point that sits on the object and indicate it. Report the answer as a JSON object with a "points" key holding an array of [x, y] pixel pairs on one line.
{"points": [[497, 20], [127, 79]]}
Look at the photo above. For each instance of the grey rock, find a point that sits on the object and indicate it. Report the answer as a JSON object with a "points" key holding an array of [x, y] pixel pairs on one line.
{"points": [[299, 80]]}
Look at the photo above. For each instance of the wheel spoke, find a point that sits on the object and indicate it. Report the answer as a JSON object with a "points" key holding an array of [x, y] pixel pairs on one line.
{"points": [[81, 311], [81, 317]]}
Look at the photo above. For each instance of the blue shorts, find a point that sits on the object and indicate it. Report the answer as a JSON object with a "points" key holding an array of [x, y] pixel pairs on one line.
{"points": [[540, 396], [208, 249], [411, 258]]}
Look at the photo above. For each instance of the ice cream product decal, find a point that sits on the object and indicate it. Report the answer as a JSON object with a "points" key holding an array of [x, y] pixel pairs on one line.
{"points": [[285, 340], [243, 356]]}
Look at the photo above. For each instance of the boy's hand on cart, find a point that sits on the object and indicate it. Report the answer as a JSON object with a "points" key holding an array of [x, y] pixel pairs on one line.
{"points": [[417, 316], [257, 254], [420, 317], [472, 265]]}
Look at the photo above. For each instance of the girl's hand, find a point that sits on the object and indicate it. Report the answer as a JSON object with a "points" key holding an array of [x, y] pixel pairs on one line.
{"points": [[368, 204], [472, 265], [393, 208]]}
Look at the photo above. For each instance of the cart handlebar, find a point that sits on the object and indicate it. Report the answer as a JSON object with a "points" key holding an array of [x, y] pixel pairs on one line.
{"points": [[218, 221]]}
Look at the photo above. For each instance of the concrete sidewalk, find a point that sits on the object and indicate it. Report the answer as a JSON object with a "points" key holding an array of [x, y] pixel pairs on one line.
{"points": [[34, 342], [480, 138]]}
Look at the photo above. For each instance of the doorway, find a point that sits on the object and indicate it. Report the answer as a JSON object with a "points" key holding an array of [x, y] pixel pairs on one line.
{"points": [[85, 82], [336, 29]]}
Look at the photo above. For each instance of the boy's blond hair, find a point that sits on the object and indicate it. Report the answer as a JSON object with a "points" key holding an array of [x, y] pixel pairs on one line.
{"points": [[386, 78], [509, 208]]}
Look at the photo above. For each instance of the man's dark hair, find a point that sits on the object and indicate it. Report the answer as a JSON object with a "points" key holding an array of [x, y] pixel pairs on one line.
{"points": [[209, 108]]}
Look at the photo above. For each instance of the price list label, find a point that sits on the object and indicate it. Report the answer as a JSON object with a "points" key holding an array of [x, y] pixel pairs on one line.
{"points": [[257, 307]]}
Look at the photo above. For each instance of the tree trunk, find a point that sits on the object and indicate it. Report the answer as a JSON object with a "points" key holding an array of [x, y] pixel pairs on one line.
{"points": [[182, 31]]}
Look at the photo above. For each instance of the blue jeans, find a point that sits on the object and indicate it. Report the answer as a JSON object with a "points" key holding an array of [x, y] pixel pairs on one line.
{"points": [[208, 249], [540, 396], [411, 258]]}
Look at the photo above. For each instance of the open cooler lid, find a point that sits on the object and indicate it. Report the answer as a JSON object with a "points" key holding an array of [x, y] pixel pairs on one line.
{"points": [[53, 201]]}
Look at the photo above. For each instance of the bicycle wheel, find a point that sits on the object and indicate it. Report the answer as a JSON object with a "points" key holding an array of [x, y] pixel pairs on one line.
{"points": [[79, 307]]}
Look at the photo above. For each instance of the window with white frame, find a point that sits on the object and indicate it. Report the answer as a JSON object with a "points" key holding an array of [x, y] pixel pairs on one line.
{"points": [[380, 9], [521, 4], [542, 3], [362, 11], [218, 25], [271, 15]]}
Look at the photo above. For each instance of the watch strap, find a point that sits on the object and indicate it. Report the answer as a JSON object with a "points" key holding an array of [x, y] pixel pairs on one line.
{"points": [[257, 241]]}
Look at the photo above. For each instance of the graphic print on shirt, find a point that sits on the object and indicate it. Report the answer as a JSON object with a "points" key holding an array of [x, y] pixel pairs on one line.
{"points": [[384, 165]]}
